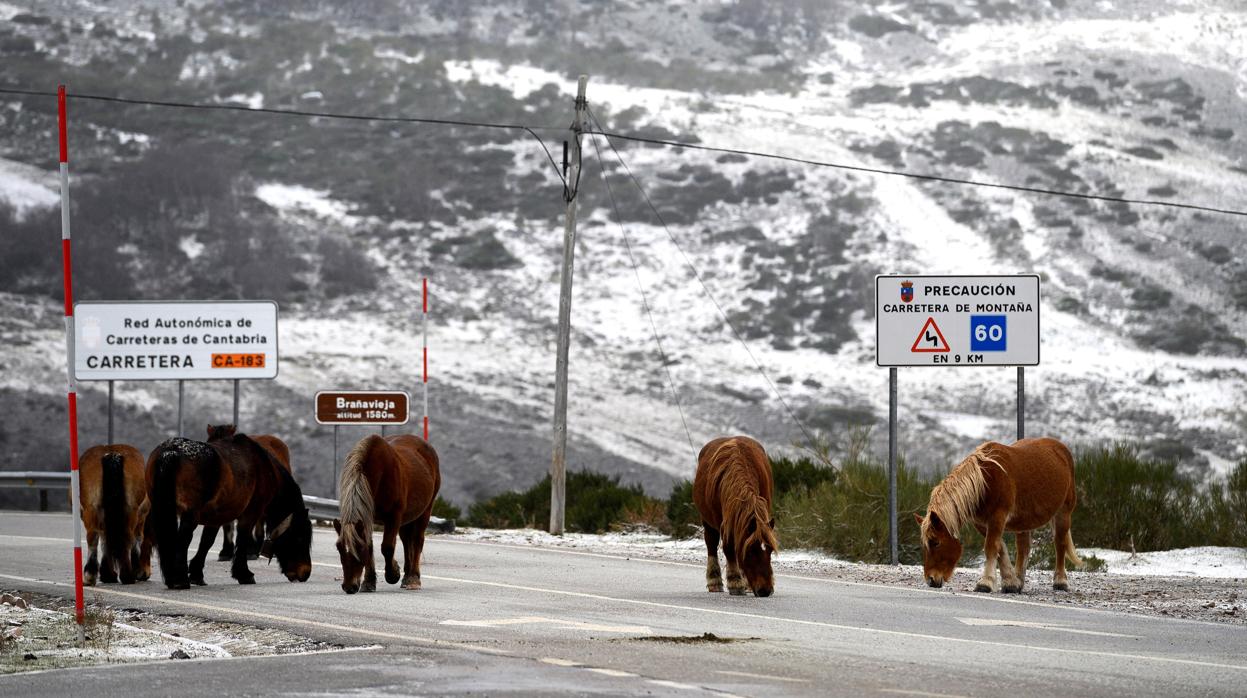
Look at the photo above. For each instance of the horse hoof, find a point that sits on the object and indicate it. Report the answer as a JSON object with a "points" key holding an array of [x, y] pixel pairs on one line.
{"points": [[714, 589], [1012, 589], [249, 579], [253, 556], [143, 577], [737, 592], [224, 556], [1060, 586], [985, 588], [391, 577], [411, 586], [88, 581], [179, 585], [198, 581], [368, 587]]}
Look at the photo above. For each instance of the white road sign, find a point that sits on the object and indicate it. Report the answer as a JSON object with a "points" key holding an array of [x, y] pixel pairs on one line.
{"points": [[957, 320], [206, 340]]}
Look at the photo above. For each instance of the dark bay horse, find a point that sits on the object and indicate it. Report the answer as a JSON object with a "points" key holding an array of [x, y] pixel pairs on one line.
{"points": [[1001, 488], [282, 452], [391, 481], [732, 491], [217, 482], [114, 504]]}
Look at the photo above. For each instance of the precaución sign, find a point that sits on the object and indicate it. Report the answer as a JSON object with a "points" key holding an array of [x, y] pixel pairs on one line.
{"points": [[208, 340], [957, 320]]}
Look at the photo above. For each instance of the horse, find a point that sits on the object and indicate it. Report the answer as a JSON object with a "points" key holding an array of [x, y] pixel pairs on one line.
{"points": [[1000, 488], [392, 481], [732, 491], [217, 482], [279, 449], [115, 505]]}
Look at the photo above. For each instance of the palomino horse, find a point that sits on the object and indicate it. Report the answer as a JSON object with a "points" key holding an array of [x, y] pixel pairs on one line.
{"points": [[391, 481], [279, 449], [1001, 488], [732, 491], [114, 503], [213, 484]]}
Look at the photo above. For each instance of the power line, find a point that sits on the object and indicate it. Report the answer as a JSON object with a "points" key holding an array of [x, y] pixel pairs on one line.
{"points": [[662, 354], [530, 130], [915, 175], [697, 275]]}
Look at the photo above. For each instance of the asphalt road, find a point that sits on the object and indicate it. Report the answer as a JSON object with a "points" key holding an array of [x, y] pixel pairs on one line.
{"points": [[496, 619]]}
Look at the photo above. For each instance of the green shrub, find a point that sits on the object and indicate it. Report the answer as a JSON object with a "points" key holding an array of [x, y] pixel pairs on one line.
{"points": [[682, 514], [595, 503], [445, 510], [800, 475]]}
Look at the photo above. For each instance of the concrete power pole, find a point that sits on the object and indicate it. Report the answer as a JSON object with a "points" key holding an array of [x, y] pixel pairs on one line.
{"points": [[558, 465]]}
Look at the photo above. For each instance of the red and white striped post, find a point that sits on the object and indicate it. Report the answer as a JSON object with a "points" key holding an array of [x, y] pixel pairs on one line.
{"points": [[424, 342], [67, 268]]}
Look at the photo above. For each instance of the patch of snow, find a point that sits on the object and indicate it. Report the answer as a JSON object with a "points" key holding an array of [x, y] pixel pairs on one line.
{"points": [[313, 95], [25, 187], [293, 197], [1208, 561], [399, 56], [191, 247], [254, 100]]}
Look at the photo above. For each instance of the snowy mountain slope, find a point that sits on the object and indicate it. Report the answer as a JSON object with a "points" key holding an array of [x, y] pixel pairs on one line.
{"points": [[1144, 319]]}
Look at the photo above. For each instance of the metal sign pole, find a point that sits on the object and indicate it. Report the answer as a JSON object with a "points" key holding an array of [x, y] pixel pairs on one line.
{"points": [[892, 464], [235, 403], [335, 459], [181, 394], [1021, 402], [110, 413], [424, 343]]}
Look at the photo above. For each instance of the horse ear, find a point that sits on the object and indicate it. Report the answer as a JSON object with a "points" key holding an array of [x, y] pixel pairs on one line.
{"points": [[337, 526], [918, 518], [771, 523]]}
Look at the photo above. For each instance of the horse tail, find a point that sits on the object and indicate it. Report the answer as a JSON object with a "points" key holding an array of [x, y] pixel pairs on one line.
{"points": [[164, 518], [354, 494], [1070, 553], [117, 530]]}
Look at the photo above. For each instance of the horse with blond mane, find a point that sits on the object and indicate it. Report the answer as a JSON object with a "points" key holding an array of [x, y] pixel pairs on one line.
{"points": [[392, 481], [732, 491], [1000, 488]]}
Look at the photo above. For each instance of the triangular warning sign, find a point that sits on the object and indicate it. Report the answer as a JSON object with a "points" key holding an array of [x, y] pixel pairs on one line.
{"points": [[930, 340]]}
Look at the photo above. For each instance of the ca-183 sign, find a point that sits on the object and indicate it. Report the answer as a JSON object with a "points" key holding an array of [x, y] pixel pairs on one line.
{"points": [[208, 340], [957, 320]]}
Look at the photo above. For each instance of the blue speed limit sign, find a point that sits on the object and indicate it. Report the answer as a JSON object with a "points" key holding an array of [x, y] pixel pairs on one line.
{"points": [[987, 332]]}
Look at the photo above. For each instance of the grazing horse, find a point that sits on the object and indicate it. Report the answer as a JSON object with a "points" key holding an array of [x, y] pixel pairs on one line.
{"points": [[391, 481], [1001, 488], [215, 483], [114, 503], [732, 491], [279, 449]]}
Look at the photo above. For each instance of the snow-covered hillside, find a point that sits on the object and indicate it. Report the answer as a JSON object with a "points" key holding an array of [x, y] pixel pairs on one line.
{"points": [[1144, 316]]}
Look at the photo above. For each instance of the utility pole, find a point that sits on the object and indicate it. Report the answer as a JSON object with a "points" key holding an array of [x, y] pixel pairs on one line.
{"points": [[558, 465]]}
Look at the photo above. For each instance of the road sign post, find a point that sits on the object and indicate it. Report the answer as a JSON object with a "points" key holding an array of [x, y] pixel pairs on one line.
{"points": [[360, 408], [944, 321]]}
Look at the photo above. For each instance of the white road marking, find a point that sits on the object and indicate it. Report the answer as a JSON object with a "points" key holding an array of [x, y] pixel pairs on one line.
{"points": [[925, 694], [674, 684], [165, 662], [556, 622], [765, 677], [270, 616], [559, 662], [612, 672], [1041, 626]]}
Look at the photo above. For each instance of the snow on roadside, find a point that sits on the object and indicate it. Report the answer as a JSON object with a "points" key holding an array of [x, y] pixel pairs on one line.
{"points": [[25, 187], [1212, 562]]}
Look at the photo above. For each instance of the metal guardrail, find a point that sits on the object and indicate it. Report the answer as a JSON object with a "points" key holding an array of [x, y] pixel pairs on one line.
{"points": [[317, 507]]}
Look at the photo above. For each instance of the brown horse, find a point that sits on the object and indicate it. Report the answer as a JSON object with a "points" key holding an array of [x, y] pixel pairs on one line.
{"points": [[732, 491], [114, 503], [282, 452], [1001, 488], [215, 483], [391, 481]]}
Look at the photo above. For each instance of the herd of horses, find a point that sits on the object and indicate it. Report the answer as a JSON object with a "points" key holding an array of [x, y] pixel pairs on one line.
{"points": [[232, 478]]}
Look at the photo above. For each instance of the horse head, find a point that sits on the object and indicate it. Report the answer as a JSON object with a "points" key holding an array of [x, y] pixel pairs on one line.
{"points": [[221, 431], [755, 559], [290, 541], [353, 540], [940, 550]]}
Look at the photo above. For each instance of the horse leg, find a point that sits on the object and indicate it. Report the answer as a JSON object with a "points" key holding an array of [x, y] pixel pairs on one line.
{"points": [[387, 552], [242, 542], [1011, 584], [176, 579], [206, 538], [412, 536], [257, 536], [370, 569], [991, 551], [92, 568], [735, 582], [714, 576], [227, 547], [1060, 531], [1023, 551], [144, 535]]}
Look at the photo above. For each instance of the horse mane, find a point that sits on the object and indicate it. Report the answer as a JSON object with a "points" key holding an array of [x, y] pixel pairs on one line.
{"points": [[356, 497], [958, 496], [741, 501]]}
